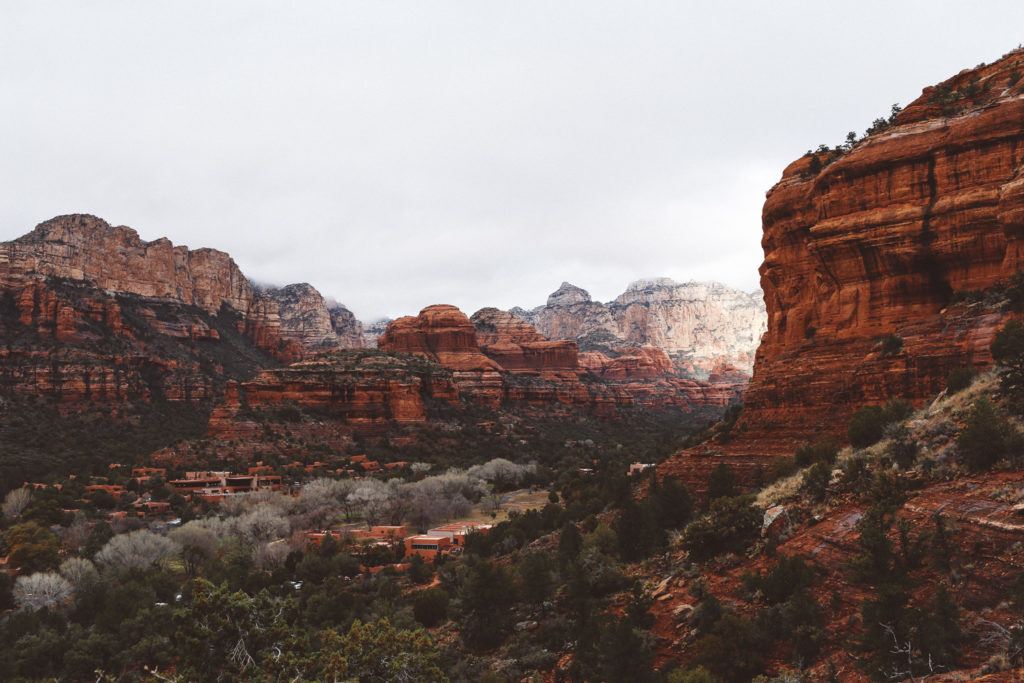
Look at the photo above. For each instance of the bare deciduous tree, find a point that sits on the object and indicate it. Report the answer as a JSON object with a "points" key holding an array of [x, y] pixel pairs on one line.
{"points": [[270, 555], [78, 571], [43, 589], [263, 524], [15, 502], [501, 472], [198, 540], [76, 534], [135, 550]]}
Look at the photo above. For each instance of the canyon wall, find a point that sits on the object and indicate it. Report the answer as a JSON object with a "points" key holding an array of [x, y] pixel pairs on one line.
{"points": [[884, 264], [700, 325], [89, 311], [289, 322], [498, 358]]}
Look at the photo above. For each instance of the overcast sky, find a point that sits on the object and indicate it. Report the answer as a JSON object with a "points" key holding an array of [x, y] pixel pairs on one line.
{"points": [[398, 154]]}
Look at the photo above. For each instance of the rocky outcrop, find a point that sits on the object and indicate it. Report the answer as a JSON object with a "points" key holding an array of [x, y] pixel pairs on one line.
{"points": [[372, 332], [518, 347], [302, 317], [446, 336], [497, 358], [347, 329], [92, 314], [698, 324], [644, 363], [79, 345], [366, 392], [291, 322], [86, 248], [874, 257]]}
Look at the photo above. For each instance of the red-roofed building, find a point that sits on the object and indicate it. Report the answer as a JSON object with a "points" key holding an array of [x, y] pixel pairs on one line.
{"points": [[115, 490], [382, 533], [458, 531], [151, 508], [214, 486], [427, 546]]}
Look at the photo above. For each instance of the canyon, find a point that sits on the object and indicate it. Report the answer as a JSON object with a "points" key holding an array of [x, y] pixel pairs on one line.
{"points": [[99, 321], [441, 357], [887, 265]]}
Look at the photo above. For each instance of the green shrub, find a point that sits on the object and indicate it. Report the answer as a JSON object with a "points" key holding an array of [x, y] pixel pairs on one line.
{"points": [[825, 450], [780, 468], [902, 447], [729, 526], [1017, 590], [672, 502], [734, 650], [959, 379], [1014, 291], [890, 345], [638, 531], [789, 575], [1008, 351], [698, 675], [867, 426], [420, 571], [430, 607], [856, 473], [722, 482], [985, 438], [815, 482]]}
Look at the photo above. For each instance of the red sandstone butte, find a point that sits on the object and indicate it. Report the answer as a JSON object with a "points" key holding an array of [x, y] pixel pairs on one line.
{"points": [[874, 244]]}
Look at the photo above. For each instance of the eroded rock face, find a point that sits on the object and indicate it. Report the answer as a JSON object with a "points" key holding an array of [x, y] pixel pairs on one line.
{"points": [[79, 345], [865, 258], [291, 322], [305, 317], [498, 358], [83, 247], [364, 394], [698, 324], [372, 332], [445, 335], [92, 314], [518, 347]]}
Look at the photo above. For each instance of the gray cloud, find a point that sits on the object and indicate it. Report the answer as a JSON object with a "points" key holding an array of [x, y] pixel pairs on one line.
{"points": [[398, 154]]}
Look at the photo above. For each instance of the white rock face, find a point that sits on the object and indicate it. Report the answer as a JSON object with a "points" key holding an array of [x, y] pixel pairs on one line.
{"points": [[318, 324], [700, 325], [372, 331]]}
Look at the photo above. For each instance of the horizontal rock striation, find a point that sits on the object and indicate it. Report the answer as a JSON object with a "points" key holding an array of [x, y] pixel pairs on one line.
{"points": [[366, 391], [498, 358], [518, 347], [90, 312], [290, 322], [874, 258]]}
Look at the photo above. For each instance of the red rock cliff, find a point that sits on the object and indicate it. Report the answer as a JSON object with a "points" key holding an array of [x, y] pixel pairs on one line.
{"points": [[499, 358], [518, 347], [291, 322], [875, 245]]}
